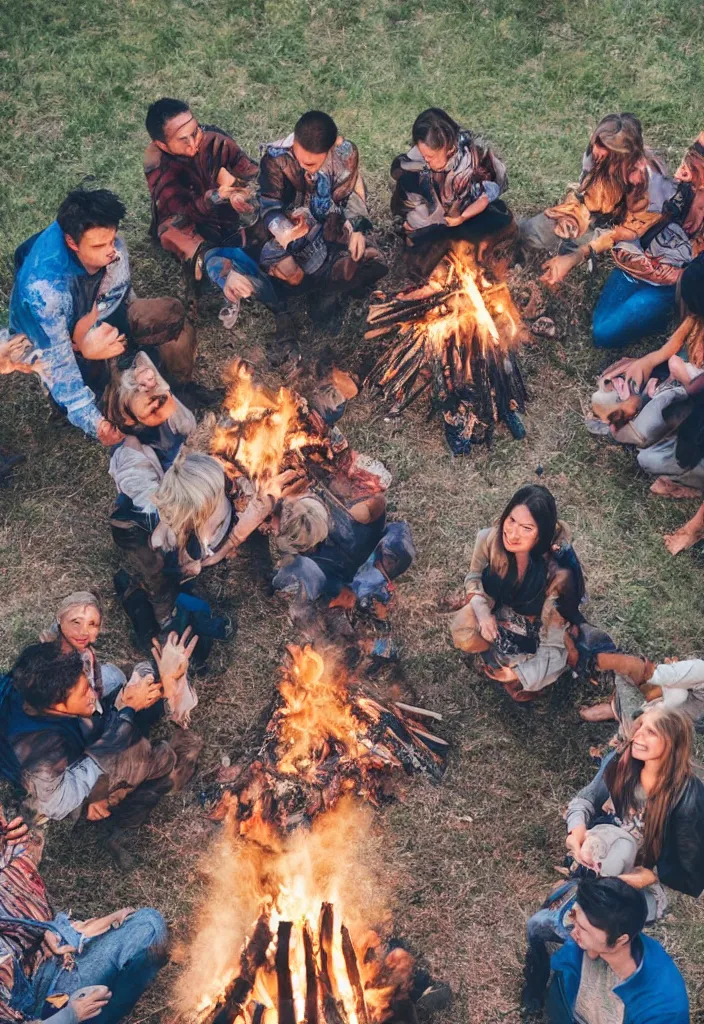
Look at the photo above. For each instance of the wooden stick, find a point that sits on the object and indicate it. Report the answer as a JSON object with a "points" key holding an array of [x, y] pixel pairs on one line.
{"points": [[253, 957], [353, 974], [311, 977], [419, 712], [287, 1014]]}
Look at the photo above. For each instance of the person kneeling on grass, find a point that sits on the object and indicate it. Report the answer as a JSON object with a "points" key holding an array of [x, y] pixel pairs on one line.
{"points": [[69, 970], [522, 594], [69, 750], [205, 210], [608, 972], [314, 205], [73, 298]]}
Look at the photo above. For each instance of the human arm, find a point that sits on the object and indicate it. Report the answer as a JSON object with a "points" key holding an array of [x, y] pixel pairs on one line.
{"points": [[639, 877], [584, 806], [18, 356], [173, 657], [140, 691], [640, 370], [476, 207], [137, 473], [50, 307], [481, 603], [56, 793]]}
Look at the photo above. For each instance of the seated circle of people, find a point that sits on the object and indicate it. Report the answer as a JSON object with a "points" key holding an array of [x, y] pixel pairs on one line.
{"points": [[522, 598], [205, 211], [447, 186], [641, 819], [608, 970], [76, 733], [313, 204], [73, 299], [625, 204], [52, 965]]}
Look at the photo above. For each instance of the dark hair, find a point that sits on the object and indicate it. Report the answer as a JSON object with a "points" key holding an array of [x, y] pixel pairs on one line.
{"points": [[541, 505], [316, 132], [85, 208], [160, 112], [435, 129], [44, 676], [692, 284], [613, 906]]}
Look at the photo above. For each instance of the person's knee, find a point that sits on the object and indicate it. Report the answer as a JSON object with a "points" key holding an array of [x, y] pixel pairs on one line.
{"points": [[289, 271], [648, 462], [148, 929], [465, 632], [606, 333]]}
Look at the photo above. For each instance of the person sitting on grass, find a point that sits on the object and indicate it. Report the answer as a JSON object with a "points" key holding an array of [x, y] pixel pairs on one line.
{"points": [[608, 971], [73, 298], [448, 185], [648, 787], [314, 206], [73, 751], [522, 593], [648, 401], [621, 195], [205, 211], [70, 970]]}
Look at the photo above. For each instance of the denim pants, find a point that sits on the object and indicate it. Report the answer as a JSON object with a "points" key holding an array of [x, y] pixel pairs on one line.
{"points": [[220, 261], [126, 959], [628, 310]]}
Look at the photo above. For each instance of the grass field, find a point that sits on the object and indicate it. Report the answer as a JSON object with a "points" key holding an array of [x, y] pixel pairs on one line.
{"points": [[471, 859]]}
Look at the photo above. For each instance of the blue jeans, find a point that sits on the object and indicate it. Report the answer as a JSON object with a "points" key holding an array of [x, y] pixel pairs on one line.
{"points": [[546, 925], [219, 262], [628, 310], [126, 959]]}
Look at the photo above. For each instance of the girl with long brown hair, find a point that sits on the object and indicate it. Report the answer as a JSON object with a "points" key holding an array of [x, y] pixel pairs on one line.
{"points": [[619, 198], [649, 788]]}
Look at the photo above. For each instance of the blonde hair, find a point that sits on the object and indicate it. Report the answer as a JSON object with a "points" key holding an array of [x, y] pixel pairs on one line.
{"points": [[189, 494], [125, 384], [304, 524], [79, 599]]}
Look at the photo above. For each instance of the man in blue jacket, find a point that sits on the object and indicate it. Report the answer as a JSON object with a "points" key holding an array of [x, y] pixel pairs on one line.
{"points": [[73, 298], [610, 973]]}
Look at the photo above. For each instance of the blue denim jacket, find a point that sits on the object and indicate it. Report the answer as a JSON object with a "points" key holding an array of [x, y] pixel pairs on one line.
{"points": [[52, 291]]}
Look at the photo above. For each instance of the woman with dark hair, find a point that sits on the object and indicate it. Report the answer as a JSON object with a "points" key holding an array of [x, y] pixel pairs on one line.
{"points": [[621, 198], [448, 184], [522, 592]]}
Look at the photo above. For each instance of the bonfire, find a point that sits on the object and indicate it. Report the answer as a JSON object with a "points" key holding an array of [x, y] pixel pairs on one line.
{"points": [[266, 431], [455, 338], [295, 859]]}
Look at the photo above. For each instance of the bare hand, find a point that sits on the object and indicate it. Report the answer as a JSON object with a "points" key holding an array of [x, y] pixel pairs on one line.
{"points": [[54, 944], [88, 1002], [141, 691], [241, 201], [225, 179], [488, 627], [99, 925], [357, 245], [557, 269], [109, 434], [299, 228], [575, 841], [237, 286], [15, 831], [98, 810], [289, 484], [454, 222], [172, 659], [102, 342], [18, 356]]}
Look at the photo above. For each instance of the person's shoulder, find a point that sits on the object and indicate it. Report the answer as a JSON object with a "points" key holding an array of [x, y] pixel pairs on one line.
{"points": [[48, 258], [568, 955], [345, 147], [487, 534], [658, 962], [663, 982], [153, 158]]}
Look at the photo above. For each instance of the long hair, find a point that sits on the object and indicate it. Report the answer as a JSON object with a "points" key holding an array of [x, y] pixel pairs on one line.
{"points": [[622, 136], [189, 494], [435, 129], [541, 505], [124, 384], [623, 775]]}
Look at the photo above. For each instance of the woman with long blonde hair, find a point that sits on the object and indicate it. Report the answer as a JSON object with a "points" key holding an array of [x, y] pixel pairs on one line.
{"points": [[620, 199]]}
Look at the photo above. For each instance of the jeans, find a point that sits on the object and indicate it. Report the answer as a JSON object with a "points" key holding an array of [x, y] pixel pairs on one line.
{"points": [[126, 959], [546, 925], [220, 261], [628, 310]]}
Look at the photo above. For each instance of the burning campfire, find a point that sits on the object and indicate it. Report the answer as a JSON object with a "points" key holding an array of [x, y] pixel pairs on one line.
{"points": [[456, 337], [266, 431], [287, 928], [325, 738]]}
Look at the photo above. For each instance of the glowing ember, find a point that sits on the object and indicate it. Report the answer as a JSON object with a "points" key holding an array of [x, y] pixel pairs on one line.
{"points": [[456, 336], [265, 431]]}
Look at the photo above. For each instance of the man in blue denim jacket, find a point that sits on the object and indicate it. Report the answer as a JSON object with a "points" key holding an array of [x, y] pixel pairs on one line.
{"points": [[73, 299]]}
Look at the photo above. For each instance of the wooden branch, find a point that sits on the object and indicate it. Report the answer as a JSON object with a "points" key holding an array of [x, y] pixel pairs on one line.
{"points": [[353, 974], [311, 977], [253, 957], [287, 1014]]}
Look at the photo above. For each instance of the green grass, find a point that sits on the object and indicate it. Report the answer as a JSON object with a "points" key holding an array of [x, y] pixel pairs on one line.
{"points": [[75, 81]]}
